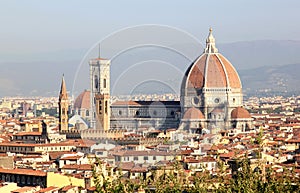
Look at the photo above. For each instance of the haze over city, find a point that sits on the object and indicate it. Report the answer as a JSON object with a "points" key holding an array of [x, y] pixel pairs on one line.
{"points": [[42, 40]]}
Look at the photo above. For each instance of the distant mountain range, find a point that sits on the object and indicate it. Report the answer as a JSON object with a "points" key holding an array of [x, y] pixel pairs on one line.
{"points": [[253, 54], [272, 80], [264, 66]]}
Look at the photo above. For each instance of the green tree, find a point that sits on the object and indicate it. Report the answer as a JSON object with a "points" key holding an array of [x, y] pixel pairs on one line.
{"points": [[245, 179]]}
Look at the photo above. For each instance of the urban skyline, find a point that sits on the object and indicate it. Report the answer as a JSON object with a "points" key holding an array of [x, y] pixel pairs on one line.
{"points": [[39, 37], [144, 97]]}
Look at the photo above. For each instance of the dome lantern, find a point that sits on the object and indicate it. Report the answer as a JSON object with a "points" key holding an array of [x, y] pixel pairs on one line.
{"points": [[210, 43]]}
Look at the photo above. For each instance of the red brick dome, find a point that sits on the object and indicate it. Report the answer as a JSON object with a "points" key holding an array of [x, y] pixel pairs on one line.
{"points": [[83, 100], [193, 113], [240, 113], [211, 70]]}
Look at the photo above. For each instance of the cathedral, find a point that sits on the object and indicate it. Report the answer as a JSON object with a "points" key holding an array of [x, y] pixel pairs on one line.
{"points": [[211, 99], [211, 93]]}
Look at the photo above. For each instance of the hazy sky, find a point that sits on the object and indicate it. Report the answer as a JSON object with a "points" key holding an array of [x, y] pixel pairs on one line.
{"points": [[34, 26], [51, 37]]}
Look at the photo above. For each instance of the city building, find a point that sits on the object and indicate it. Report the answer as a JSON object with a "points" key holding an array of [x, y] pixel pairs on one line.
{"points": [[100, 93], [211, 93], [211, 99], [63, 108]]}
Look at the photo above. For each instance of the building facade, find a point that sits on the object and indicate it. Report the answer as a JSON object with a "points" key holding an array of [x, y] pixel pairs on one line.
{"points": [[211, 98], [211, 89], [145, 114], [100, 93]]}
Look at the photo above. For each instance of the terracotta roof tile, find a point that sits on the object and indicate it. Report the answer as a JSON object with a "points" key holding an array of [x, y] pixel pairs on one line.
{"points": [[240, 113], [193, 113], [29, 172], [212, 71], [28, 133], [48, 189], [83, 100], [69, 187]]}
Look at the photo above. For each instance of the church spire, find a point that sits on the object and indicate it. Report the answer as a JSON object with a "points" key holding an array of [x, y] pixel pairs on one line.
{"points": [[210, 43], [63, 89], [63, 105]]}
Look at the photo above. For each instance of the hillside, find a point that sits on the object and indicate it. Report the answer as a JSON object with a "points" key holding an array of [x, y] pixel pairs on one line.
{"points": [[263, 65]]}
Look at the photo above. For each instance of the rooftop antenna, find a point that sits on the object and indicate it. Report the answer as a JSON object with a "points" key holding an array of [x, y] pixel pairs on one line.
{"points": [[99, 51]]}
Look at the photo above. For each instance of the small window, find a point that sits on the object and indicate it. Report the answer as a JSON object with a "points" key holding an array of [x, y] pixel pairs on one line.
{"points": [[106, 107], [196, 100], [96, 82], [145, 157], [217, 100], [100, 108], [135, 158], [104, 83]]}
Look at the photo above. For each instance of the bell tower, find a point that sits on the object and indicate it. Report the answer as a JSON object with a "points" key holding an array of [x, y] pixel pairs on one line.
{"points": [[100, 93], [63, 104]]}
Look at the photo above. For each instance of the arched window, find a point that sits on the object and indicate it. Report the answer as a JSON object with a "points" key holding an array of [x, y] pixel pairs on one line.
{"points": [[104, 83], [154, 112], [100, 107], [105, 107], [172, 113], [96, 82], [137, 113]]}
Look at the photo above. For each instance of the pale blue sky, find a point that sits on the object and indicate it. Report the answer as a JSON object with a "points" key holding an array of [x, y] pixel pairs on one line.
{"points": [[34, 26], [51, 37]]}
